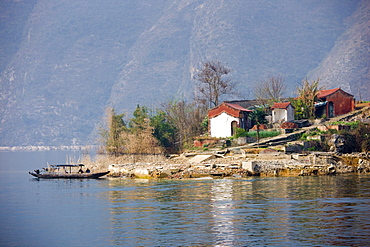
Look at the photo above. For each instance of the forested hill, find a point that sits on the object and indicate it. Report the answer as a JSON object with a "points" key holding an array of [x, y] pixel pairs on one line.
{"points": [[63, 62]]}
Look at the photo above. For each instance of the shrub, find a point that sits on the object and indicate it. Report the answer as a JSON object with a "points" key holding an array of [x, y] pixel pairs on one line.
{"points": [[353, 125], [362, 135], [239, 132]]}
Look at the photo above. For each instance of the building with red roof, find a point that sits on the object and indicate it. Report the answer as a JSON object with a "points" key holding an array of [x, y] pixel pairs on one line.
{"points": [[334, 102], [282, 112], [226, 117]]}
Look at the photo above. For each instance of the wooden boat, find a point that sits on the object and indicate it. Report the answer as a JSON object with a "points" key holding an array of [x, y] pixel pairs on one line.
{"points": [[66, 171]]}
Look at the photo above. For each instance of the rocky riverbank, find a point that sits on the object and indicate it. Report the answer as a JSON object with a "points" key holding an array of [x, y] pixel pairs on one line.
{"points": [[232, 164]]}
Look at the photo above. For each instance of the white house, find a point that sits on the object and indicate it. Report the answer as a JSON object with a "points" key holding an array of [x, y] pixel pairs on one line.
{"points": [[226, 117], [282, 112]]}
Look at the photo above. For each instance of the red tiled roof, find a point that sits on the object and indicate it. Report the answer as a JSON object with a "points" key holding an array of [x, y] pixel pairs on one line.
{"points": [[280, 105], [231, 109], [324, 93], [237, 107]]}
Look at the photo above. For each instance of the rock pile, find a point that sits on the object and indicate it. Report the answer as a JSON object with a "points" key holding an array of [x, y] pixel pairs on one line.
{"points": [[244, 165]]}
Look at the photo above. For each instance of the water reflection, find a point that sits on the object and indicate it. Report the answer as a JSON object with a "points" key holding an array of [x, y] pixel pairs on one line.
{"points": [[227, 212], [222, 208]]}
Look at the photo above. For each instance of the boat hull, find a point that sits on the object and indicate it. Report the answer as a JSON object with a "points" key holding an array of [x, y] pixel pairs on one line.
{"points": [[69, 175]]}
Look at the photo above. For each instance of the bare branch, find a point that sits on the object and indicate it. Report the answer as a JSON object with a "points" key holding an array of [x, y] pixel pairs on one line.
{"points": [[270, 90], [211, 84]]}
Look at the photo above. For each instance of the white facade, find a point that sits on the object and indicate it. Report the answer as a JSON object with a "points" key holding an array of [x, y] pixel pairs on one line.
{"points": [[283, 114], [221, 125]]}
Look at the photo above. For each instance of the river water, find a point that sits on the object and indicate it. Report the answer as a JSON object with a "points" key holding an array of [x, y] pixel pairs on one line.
{"points": [[276, 211]]}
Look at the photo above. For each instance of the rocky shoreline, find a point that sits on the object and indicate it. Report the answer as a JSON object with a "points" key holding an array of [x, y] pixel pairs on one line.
{"points": [[238, 165]]}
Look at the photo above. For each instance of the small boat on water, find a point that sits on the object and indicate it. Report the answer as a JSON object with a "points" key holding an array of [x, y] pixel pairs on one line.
{"points": [[66, 171]]}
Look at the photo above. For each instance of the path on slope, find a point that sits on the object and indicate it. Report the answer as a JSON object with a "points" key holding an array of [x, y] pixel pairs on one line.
{"points": [[285, 138]]}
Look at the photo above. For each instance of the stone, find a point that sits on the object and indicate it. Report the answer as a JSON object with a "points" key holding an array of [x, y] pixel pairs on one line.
{"points": [[200, 158], [337, 143], [141, 173], [296, 148], [249, 165]]}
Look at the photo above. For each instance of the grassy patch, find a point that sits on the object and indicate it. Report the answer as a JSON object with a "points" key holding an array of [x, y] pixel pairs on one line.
{"points": [[262, 133], [354, 125], [312, 133]]}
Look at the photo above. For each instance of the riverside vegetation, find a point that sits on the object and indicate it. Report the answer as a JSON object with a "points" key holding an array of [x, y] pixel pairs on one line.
{"points": [[160, 144], [327, 147]]}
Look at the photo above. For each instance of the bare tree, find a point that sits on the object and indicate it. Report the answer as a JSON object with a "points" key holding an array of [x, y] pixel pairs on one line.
{"points": [[211, 84], [111, 134], [187, 119], [270, 90]]}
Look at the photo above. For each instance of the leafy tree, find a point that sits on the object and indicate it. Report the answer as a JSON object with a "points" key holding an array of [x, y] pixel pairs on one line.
{"points": [[212, 84], [300, 111], [270, 90], [164, 132], [307, 95], [139, 139], [257, 116], [111, 136], [138, 122], [142, 141]]}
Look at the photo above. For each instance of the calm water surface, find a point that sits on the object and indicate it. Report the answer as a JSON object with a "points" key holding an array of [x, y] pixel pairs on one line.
{"points": [[296, 211]]}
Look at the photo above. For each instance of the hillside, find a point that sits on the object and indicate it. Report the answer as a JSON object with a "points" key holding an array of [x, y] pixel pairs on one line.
{"points": [[64, 62], [348, 63]]}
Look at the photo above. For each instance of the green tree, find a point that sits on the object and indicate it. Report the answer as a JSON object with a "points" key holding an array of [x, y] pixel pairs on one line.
{"points": [[164, 132], [307, 95], [140, 139], [138, 122], [299, 112], [257, 116]]}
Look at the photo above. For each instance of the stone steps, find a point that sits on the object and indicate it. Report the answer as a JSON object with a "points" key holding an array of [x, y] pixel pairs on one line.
{"points": [[285, 138]]}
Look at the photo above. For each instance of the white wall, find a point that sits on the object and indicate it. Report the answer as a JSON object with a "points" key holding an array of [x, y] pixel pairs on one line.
{"points": [[286, 115], [278, 114], [221, 125]]}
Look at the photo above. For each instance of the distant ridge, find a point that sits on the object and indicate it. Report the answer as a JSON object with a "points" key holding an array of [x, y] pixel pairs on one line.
{"points": [[64, 62], [348, 63]]}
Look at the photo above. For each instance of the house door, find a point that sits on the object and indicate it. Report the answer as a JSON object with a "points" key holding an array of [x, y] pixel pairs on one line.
{"points": [[234, 125], [331, 109]]}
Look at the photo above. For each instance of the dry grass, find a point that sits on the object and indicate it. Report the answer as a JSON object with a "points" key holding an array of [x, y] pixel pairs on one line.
{"points": [[253, 150]]}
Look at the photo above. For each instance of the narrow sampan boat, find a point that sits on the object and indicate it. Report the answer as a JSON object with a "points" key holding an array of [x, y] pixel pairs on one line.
{"points": [[66, 171]]}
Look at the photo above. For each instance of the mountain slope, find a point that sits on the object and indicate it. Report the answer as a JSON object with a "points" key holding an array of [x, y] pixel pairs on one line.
{"points": [[348, 63], [69, 60], [55, 88]]}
